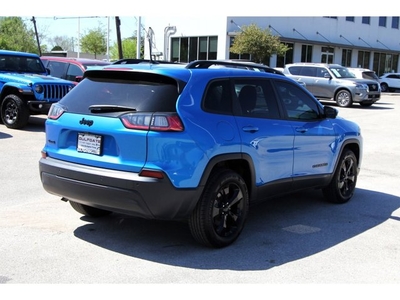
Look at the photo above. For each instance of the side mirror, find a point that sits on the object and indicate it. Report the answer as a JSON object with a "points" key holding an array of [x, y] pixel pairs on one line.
{"points": [[48, 71], [330, 112], [78, 78], [326, 75]]}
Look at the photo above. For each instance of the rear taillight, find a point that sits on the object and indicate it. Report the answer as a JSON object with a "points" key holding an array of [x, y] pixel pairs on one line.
{"points": [[152, 121], [56, 110]]}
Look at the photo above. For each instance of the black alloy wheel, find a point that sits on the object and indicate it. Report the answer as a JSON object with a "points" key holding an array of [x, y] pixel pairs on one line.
{"points": [[343, 183], [220, 214]]}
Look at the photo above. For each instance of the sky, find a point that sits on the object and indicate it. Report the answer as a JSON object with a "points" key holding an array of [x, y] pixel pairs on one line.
{"points": [[75, 27], [75, 18]]}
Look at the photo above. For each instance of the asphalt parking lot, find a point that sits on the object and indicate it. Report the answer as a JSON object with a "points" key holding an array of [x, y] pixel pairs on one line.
{"points": [[299, 239]]}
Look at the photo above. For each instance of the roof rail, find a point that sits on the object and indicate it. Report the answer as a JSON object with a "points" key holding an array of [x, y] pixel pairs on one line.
{"points": [[205, 64]]}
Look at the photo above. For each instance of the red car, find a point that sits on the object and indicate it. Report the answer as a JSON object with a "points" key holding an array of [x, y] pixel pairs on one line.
{"points": [[70, 68]]}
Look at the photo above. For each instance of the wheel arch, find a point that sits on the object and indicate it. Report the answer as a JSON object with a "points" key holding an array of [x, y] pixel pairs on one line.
{"points": [[8, 90], [238, 162], [341, 89], [355, 147]]}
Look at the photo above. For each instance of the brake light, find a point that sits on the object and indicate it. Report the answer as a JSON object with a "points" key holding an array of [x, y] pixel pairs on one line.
{"points": [[56, 110], [152, 121]]}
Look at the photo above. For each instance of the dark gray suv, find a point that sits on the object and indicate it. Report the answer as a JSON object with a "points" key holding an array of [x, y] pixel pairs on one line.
{"points": [[334, 82]]}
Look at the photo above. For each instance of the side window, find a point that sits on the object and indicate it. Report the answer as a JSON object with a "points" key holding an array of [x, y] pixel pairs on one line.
{"points": [[256, 99], [295, 70], [309, 71], [217, 98], [72, 72], [322, 72], [298, 104], [57, 69]]}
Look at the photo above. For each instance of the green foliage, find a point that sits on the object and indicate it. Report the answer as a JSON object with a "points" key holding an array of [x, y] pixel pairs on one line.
{"points": [[94, 42], [129, 47], [57, 48], [261, 44], [15, 36]]}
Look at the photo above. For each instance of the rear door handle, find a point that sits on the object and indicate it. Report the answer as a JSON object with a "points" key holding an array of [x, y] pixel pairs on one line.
{"points": [[250, 129], [301, 129]]}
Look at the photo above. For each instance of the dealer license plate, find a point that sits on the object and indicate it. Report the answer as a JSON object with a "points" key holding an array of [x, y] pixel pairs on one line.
{"points": [[89, 143]]}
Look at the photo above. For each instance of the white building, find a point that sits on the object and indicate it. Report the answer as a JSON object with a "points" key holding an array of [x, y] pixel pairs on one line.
{"points": [[369, 42]]}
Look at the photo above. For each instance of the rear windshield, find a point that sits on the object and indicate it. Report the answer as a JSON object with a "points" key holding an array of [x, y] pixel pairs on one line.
{"points": [[370, 75], [141, 95]]}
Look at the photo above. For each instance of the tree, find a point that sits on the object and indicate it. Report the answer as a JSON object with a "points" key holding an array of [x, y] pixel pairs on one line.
{"points": [[94, 42], [64, 42], [261, 44], [57, 48], [129, 46], [14, 35]]}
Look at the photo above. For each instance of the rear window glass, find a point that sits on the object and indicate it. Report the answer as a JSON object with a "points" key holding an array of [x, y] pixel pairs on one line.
{"points": [[295, 70], [142, 95], [370, 75]]}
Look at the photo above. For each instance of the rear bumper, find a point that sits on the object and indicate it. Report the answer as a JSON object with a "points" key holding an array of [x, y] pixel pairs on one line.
{"points": [[117, 191]]}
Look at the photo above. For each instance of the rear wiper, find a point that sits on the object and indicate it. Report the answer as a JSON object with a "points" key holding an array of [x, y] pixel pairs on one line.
{"points": [[109, 108]]}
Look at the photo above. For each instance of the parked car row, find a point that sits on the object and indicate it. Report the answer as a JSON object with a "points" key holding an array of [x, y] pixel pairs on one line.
{"points": [[335, 82], [338, 86]]}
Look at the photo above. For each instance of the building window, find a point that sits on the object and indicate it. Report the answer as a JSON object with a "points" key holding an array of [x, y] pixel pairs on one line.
{"points": [[331, 17], [175, 49], [382, 21], [350, 19], [363, 59], [346, 57], [306, 53], [212, 48], [282, 60], [184, 50], [366, 20], [385, 62], [193, 49], [395, 22], [187, 49], [203, 48], [327, 55]]}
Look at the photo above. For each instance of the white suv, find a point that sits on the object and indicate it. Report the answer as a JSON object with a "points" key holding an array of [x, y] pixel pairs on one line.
{"points": [[364, 73], [335, 82], [390, 82]]}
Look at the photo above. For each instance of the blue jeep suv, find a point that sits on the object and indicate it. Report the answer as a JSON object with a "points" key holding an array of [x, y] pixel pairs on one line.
{"points": [[26, 88], [199, 142]]}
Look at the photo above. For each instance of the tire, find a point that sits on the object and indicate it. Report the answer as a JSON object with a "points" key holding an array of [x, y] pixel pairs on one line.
{"points": [[384, 87], [89, 211], [221, 212], [14, 112], [343, 98], [343, 184]]}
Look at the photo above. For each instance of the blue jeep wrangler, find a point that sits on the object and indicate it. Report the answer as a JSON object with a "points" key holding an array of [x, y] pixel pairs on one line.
{"points": [[26, 88]]}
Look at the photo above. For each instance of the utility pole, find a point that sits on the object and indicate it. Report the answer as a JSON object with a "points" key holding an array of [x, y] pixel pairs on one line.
{"points": [[37, 36], [118, 24]]}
